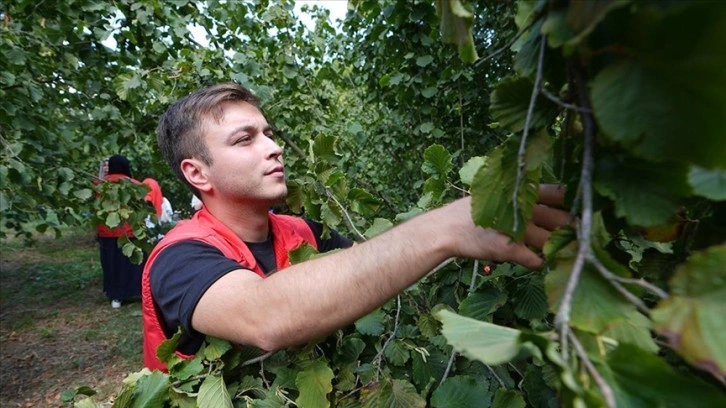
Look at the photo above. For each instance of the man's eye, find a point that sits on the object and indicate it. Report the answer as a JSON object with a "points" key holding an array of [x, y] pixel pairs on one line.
{"points": [[243, 139]]}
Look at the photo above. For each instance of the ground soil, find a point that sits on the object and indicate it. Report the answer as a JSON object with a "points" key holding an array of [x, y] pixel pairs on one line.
{"points": [[36, 366]]}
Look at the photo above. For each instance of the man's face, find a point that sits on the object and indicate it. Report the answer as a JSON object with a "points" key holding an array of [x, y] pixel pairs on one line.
{"points": [[246, 161]]}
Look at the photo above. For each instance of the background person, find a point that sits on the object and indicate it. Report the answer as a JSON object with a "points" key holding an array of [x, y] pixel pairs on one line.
{"points": [[121, 277]]}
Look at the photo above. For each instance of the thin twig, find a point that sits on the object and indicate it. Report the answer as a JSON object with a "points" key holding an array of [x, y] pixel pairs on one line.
{"points": [[562, 319], [611, 277], [295, 148], [379, 356], [448, 367], [474, 273], [494, 373], [549, 95], [523, 143], [604, 387], [441, 265], [506, 46], [643, 284], [346, 216], [257, 359], [461, 125]]}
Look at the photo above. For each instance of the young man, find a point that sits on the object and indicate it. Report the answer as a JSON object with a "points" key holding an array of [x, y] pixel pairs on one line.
{"points": [[212, 275]]}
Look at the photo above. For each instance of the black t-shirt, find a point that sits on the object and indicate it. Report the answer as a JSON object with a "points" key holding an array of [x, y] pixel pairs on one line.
{"points": [[183, 272]]}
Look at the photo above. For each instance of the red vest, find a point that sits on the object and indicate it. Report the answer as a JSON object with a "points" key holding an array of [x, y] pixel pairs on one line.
{"points": [[288, 233]]}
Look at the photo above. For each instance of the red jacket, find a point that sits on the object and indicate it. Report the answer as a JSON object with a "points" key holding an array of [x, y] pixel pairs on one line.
{"points": [[154, 196], [288, 233]]}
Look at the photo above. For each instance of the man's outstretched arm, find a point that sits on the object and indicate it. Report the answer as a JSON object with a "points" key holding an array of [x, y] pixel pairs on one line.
{"points": [[312, 299]]}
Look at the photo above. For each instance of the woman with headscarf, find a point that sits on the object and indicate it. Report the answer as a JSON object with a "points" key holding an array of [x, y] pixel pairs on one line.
{"points": [[121, 277]]}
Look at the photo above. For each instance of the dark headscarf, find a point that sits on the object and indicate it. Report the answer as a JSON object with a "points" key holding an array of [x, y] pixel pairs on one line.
{"points": [[118, 164]]}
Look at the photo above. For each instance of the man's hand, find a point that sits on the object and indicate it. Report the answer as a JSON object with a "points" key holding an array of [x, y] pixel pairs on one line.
{"points": [[472, 241]]}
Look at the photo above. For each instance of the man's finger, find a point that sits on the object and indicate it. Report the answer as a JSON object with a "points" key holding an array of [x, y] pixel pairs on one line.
{"points": [[535, 235], [552, 194], [549, 218]]}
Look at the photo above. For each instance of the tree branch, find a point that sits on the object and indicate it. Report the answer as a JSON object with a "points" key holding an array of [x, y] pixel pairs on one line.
{"points": [[257, 359], [474, 270], [379, 356], [604, 387], [452, 358], [549, 95], [523, 143], [612, 278], [506, 46], [562, 319], [346, 216]]}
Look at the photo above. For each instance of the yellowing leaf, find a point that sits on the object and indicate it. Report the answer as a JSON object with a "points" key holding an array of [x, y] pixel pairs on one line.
{"points": [[314, 383], [692, 319]]}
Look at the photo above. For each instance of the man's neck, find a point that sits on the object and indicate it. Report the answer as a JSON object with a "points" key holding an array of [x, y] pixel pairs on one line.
{"points": [[249, 223]]}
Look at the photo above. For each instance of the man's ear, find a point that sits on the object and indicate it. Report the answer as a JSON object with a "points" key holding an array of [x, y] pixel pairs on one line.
{"points": [[195, 173]]}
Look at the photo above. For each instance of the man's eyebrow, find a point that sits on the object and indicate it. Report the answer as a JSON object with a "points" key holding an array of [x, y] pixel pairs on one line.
{"points": [[241, 129]]}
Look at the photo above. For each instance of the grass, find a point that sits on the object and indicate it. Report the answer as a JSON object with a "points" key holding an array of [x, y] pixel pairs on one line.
{"points": [[57, 329]]}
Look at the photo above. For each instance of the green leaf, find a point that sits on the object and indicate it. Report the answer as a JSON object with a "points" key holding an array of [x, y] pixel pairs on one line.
{"points": [[426, 127], [508, 399], [494, 185], [595, 303], [692, 318], [456, 20], [646, 194], [379, 226], [323, 148], [424, 60], [470, 168], [510, 102], [708, 183], [83, 194], [125, 82], [216, 347], [429, 92], [482, 303], [371, 324], [330, 214], [128, 249], [302, 253], [460, 391], [633, 329], [113, 220], [87, 403], [363, 202], [152, 390], [531, 300], [437, 161], [185, 369], [489, 343], [396, 353], [392, 394], [664, 105], [213, 393], [653, 383], [314, 384], [428, 325], [166, 352], [69, 394], [535, 387], [349, 350], [430, 367], [570, 28]]}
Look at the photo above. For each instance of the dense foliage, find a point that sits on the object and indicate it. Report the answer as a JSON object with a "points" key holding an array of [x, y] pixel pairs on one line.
{"points": [[406, 106]]}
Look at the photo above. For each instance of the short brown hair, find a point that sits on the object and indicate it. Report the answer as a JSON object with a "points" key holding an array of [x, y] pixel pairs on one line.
{"points": [[179, 134]]}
